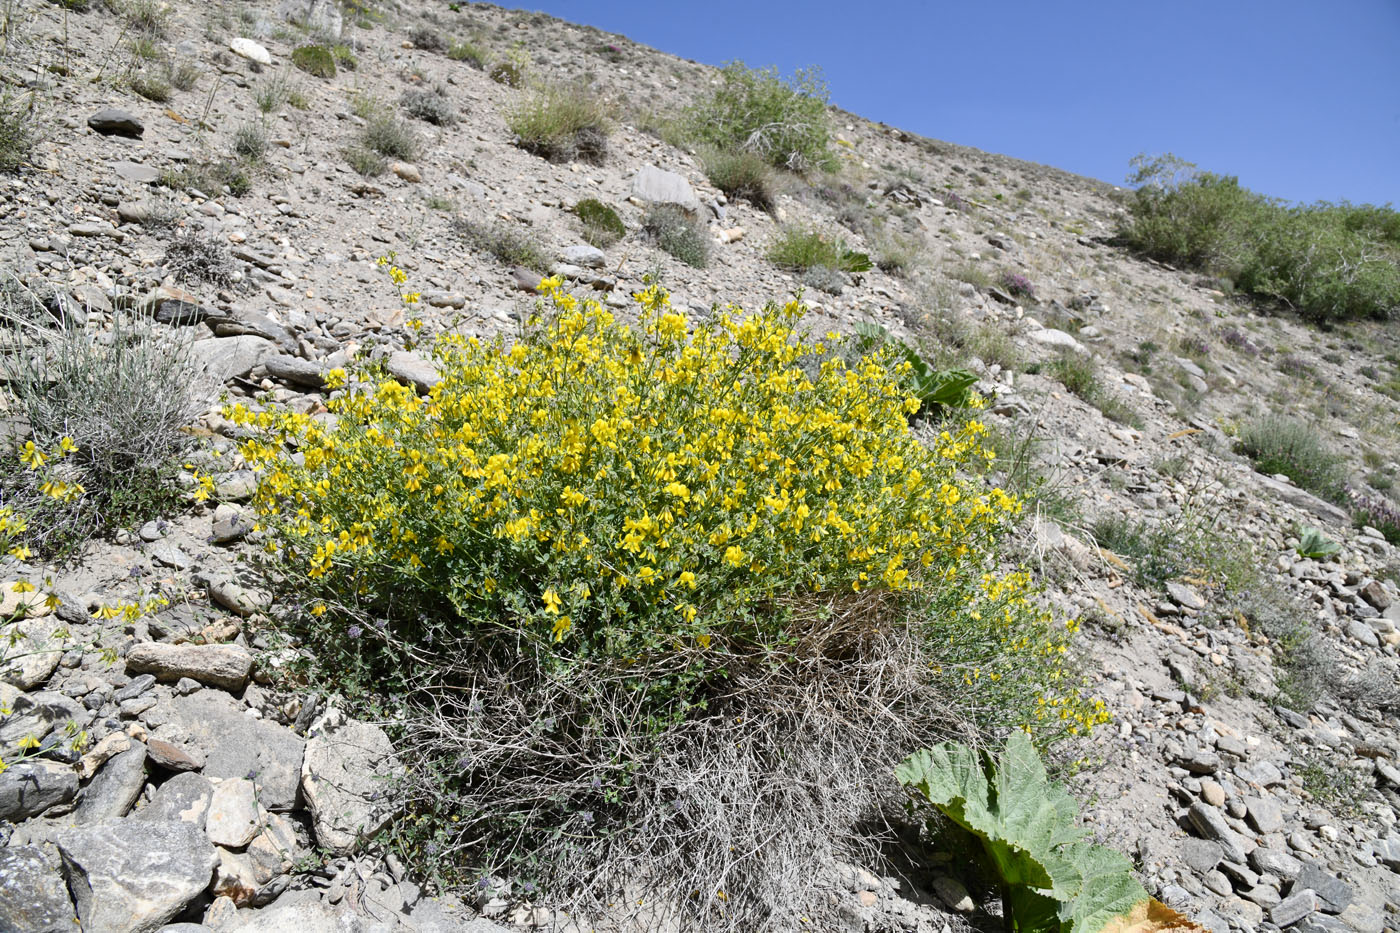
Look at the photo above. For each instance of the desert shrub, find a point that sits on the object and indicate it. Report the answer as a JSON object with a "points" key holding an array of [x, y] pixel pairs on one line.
{"points": [[366, 161], [561, 124], [316, 60], [1284, 445], [16, 131], [250, 141], [1078, 373], [1325, 261], [468, 52], [211, 178], [1379, 512], [123, 402], [897, 254], [675, 231], [200, 257], [783, 120], [798, 249], [643, 573], [147, 18], [432, 106], [428, 39], [510, 244], [511, 69], [1016, 285], [150, 86], [740, 174], [601, 225], [390, 137], [276, 92], [183, 75]]}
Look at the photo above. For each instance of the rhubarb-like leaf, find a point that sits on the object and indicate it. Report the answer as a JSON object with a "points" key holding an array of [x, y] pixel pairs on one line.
{"points": [[1053, 881]]}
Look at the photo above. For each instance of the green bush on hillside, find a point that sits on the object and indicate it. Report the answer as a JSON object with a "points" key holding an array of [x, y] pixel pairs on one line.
{"points": [[784, 120], [1326, 261]]}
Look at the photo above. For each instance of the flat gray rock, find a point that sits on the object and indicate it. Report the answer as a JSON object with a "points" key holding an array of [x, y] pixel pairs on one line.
{"points": [[31, 787], [184, 798], [36, 714], [137, 172], [346, 777], [33, 895], [113, 792], [237, 746], [413, 370], [224, 358], [658, 186], [34, 651], [130, 876]]}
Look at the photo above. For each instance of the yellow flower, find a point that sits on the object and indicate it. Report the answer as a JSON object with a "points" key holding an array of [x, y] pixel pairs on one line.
{"points": [[561, 626], [734, 555], [22, 586], [551, 601], [31, 456], [688, 579], [28, 742]]}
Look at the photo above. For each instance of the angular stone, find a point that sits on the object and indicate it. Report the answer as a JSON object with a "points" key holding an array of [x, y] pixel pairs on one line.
{"points": [[1185, 595], [224, 358], [1295, 907], [413, 370], [184, 798], [1052, 337], [304, 915], [36, 714], [136, 171], [230, 524], [173, 757], [1363, 918], [345, 777], [295, 371], [1275, 862], [1264, 814], [138, 686], [169, 554], [134, 876], [33, 895], [237, 746], [114, 122], [113, 744], [952, 893], [233, 814], [275, 850], [1263, 773], [1201, 855], [34, 651], [1333, 893], [584, 255], [1388, 851], [236, 598], [1210, 823], [114, 791], [31, 787], [1374, 592], [224, 666], [658, 186], [235, 878]]}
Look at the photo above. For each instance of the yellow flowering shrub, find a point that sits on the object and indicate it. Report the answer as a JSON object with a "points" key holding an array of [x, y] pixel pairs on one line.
{"points": [[613, 489], [618, 583]]}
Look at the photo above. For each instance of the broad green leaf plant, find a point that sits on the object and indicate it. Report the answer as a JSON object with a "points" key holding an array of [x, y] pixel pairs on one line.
{"points": [[1051, 879]]}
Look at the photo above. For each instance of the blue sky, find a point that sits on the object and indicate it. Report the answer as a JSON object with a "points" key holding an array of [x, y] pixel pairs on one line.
{"points": [[1300, 99]]}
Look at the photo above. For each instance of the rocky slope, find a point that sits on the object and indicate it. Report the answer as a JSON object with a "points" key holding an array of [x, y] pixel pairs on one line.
{"points": [[209, 797]]}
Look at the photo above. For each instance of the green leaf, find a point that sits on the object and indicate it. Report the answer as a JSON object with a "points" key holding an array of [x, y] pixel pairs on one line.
{"points": [[1053, 881]]}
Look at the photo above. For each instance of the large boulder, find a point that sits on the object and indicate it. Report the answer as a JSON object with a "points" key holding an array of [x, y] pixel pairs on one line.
{"points": [[346, 778], [320, 17], [114, 791], [33, 897], [133, 876], [657, 186], [33, 649]]}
